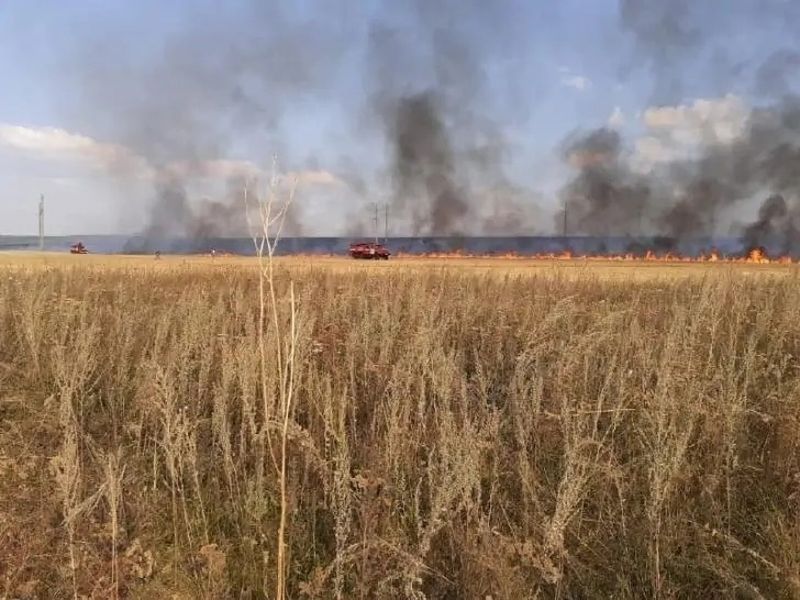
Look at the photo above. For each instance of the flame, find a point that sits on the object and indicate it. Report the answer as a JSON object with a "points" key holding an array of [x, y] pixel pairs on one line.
{"points": [[753, 256], [757, 255]]}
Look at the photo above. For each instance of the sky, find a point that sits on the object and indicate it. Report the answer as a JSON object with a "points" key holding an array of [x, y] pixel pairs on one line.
{"points": [[100, 101]]}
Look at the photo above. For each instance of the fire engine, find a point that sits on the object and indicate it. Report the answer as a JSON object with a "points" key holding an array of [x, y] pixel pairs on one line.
{"points": [[369, 251]]}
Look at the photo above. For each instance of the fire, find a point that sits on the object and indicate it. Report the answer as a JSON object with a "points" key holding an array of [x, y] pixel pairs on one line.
{"points": [[757, 255], [753, 256]]}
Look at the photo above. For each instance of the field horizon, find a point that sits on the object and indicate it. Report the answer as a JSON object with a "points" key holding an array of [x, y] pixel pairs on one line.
{"points": [[414, 245]]}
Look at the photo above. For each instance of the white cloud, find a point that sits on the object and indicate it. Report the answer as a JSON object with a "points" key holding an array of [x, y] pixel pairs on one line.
{"points": [[617, 118], [719, 120], [77, 152], [682, 131], [574, 80], [54, 144], [318, 177], [578, 82], [43, 139]]}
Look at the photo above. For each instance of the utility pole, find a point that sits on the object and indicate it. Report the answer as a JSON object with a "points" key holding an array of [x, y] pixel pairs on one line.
{"points": [[565, 220], [41, 222], [376, 222], [641, 214], [713, 222], [385, 223]]}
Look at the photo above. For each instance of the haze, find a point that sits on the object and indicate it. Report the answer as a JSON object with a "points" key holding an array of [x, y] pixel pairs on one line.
{"points": [[466, 118]]}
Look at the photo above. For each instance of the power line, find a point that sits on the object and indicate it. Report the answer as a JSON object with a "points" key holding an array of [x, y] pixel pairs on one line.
{"points": [[41, 222]]}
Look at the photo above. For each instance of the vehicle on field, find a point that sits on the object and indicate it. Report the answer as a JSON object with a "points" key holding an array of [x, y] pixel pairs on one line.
{"points": [[78, 248], [369, 251]]}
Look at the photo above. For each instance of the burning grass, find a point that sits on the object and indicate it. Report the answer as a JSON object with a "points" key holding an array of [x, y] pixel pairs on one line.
{"points": [[455, 434], [756, 255]]}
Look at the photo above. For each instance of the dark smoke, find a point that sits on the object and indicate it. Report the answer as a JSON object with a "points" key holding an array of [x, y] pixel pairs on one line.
{"points": [[171, 213], [220, 85], [174, 215], [695, 212], [689, 198], [606, 197], [424, 168], [228, 82], [432, 97], [698, 196], [227, 85], [771, 221]]}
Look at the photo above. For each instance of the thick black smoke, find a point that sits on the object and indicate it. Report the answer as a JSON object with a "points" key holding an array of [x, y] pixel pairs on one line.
{"points": [[696, 196], [225, 83], [425, 169], [772, 219], [689, 198], [433, 99], [605, 197]]}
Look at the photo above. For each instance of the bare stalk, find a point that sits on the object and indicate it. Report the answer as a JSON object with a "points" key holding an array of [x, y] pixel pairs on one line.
{"points": [[272, 214]]}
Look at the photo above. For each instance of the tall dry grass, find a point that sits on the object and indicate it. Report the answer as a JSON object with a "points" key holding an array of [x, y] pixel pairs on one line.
{"points": [[451, 435]]}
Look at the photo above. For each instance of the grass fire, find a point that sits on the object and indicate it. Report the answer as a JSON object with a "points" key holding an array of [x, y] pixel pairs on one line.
{"points": [[399, 300]]}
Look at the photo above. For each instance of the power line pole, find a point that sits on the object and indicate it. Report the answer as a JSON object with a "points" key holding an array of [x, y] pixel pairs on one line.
{"points": [[41, 222], [385, 223], [376, 222]]}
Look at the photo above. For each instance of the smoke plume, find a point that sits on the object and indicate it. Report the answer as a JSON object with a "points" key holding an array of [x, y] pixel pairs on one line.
{"points": [[424, 168], [433, 131], [771, 220], [218, 88], [234, 84], [432, 96], [605, 197], [689, 197], [688, 193]]}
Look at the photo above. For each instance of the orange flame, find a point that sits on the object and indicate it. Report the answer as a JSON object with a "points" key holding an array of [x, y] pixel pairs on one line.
{"points": [[753, 256]]}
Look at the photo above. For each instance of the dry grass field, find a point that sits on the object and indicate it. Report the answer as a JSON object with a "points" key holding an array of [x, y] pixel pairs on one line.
{"points": [[605, 269], [438, 429]]}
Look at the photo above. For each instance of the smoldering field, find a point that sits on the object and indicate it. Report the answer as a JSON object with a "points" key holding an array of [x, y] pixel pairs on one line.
{"points": [[454, 433]]}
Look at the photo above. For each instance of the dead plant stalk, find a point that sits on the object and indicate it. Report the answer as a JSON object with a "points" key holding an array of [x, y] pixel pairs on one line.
{"points": [[272, 215]]}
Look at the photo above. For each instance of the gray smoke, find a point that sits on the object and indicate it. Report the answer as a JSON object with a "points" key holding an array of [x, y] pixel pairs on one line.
{"points": [[174, 215], [433, 102], [606, 197], [219, 87], [678, 42], [226, 83], [664, 34], [693, 196], [688, 198], [772, 220], [424, 168]]}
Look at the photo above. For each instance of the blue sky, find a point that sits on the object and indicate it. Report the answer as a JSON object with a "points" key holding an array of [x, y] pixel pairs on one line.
{"points": [[150, 82]]}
